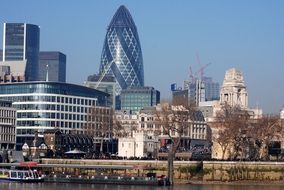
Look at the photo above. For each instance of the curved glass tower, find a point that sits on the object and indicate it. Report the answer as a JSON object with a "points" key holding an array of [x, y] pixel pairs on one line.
{"points": [[122, 55]]}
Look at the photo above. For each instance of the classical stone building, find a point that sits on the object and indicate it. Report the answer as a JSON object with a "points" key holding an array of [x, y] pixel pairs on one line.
{"points": [[234, 93], [234, 90]]}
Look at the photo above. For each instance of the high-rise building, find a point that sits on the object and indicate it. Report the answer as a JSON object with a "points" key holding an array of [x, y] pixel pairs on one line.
{"points": [[21, 42], [196, 91], [1, 55], [122, 54], [53, 62], [136, 98], [212, 89], [106, 85]]}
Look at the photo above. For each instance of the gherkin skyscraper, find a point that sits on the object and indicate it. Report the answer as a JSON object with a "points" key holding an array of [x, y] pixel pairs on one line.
{"points": [[122, 55]]}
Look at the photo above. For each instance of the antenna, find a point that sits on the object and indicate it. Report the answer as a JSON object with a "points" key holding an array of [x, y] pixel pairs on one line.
{"points": [[46, 78]]}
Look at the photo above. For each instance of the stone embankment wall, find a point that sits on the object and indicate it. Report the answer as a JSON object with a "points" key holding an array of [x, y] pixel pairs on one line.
{"points": [[235, 171], [184, 170]]}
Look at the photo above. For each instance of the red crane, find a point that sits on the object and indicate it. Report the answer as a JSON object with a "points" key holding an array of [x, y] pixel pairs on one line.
{"points": [[202, 68]]}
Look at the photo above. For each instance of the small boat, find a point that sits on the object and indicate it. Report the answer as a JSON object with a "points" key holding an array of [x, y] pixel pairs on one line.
{"points": [[27, 176]]}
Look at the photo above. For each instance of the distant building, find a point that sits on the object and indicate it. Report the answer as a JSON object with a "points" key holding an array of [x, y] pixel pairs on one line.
{"points": [[122, 54], [21, 42], [48, 105], [99, 125], [234, 90], [180, 97], [196, 91], [128, 121], [212, 89], [136, 98], [193, 92], [12, 71], [55, 63], [7, 126], [1, 55], [107, 85], [282, 113]]}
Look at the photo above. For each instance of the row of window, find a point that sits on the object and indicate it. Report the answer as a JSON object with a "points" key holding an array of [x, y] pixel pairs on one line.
{"points": [[61, 124], [7, 138], [7, 113], [7, 130], [8, 121], [52, 115], [66, 100], [65, 108]]}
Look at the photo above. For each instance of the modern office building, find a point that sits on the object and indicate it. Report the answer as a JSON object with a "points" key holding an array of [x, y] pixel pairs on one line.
{"points": [[48, 105], [107, 84], [193, 92], [136, 98], [212, 89], [55, 63], [21, 42], [180, 97], [7, 126], [122, 54]]}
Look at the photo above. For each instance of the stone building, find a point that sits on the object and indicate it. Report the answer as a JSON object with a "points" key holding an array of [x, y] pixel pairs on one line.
{"points": [[234, 90]]}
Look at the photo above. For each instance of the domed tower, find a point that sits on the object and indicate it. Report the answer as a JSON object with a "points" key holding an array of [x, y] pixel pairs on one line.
{"points": [[234, 90], [122, 55]]}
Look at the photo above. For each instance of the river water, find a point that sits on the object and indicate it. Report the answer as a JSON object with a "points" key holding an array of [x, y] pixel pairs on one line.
{"points": [[54, 186]]}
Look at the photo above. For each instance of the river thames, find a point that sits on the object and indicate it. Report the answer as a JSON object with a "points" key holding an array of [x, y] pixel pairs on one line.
{"points": [[53, 186]]}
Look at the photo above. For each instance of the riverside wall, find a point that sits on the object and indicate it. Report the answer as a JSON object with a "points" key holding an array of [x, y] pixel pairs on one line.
{"points": [[185, 171]]}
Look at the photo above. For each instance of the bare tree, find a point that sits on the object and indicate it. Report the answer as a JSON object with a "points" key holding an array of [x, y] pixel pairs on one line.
{"points": [[174, 121], [232, 124], [263, 132], [99, 124]]}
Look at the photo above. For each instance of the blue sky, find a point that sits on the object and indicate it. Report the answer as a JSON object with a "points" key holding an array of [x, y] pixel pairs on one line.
{"points": [[247, 35]]}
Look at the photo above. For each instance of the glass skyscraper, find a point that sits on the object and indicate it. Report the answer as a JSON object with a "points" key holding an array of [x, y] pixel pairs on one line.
{"points": [[21, 42], [56, 62], [122, 54]]}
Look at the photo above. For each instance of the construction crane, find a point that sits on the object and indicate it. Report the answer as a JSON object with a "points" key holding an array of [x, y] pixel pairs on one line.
{"points": [[191, 75], [106, 69], [202, 68]]}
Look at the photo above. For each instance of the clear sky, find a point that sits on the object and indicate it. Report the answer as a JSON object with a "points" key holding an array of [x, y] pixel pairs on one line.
{"points": [[245, 34]]}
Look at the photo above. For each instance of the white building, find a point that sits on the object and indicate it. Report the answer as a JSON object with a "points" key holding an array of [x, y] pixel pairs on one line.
{"points": [[234, 90], [282, 113], [139, 145], [48, 105]]}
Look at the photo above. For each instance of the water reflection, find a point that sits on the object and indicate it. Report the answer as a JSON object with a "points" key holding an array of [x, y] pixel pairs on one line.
{"points": [[54, 186]]}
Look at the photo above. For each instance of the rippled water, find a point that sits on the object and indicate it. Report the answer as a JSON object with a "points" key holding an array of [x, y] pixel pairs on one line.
{"points": [[53, 186]]}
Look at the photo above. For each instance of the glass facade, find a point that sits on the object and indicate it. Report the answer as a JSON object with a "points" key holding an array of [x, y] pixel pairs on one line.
{"points": [[47, 105], [56, 62], [135, 98], [122, 54], [21, 41]]}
